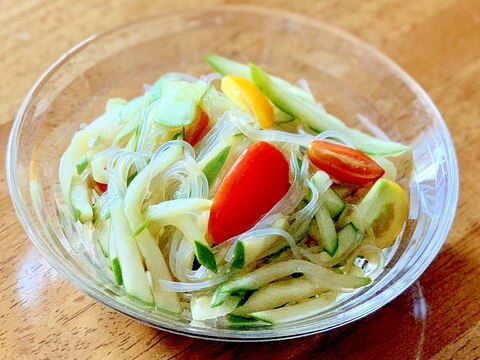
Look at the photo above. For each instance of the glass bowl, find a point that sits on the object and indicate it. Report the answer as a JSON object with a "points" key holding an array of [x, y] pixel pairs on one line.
{"points": [[353, 81]]}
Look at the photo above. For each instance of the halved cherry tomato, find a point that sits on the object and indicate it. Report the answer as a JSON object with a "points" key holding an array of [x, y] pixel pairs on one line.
{"points": [[101, 187], [256, 182], [195, 131], [245, 94], [344, 165]]}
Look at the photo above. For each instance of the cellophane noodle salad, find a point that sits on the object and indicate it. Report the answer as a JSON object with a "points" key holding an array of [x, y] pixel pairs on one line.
{"points": [[234, 195]]}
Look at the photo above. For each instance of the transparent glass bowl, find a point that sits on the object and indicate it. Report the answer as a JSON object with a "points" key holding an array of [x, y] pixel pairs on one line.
{"points": [[351, 79]]}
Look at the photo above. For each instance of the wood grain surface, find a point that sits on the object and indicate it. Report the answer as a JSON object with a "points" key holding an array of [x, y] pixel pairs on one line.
{"points": [[42, 316]]}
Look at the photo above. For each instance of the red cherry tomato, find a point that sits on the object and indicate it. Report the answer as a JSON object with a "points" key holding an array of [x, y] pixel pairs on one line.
{"points": [[101, 187], [195, 131], [344, 165], [256, 182]]}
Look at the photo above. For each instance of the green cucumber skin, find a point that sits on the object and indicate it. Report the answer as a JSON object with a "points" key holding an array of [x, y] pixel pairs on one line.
{"points": [[238, 260], [215, 165], [334, 204], [277, 294], [82, 164], [296, 311], [80, 198], [327, 232], [226, 66], [205, 256], [348, 238], [117, 271]]}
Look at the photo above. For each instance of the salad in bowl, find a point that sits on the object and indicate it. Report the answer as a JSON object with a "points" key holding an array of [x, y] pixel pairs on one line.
{"points": [[234, 195]]}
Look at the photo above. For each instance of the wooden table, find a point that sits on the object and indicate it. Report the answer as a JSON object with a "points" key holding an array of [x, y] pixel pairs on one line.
{"points": [[42, 316]]}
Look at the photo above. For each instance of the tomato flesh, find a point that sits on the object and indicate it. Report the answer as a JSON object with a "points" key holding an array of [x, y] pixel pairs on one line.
{"points": [[344, 165], [102, 187], [197, 129], [256, 182]]}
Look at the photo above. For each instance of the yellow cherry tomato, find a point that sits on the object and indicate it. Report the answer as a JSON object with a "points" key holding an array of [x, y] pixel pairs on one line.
{"points": [[249, 98]]}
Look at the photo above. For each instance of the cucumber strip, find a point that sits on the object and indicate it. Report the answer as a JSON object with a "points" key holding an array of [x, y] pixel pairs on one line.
{"points": [[106, 126], [281, 117], [113, 256], [229, 67], [133, 274], [298, 311], [117, 271], [388, 166], [130, 116], [205, 256], [251, 249], [179, 135], [316, 117], [193, 234], [177, 207], [326, 230], [133, 141], [154, 262], [178, 102], [215, 104], [157, 266], [83, 163], [80, 199], [278, 294], [136, 191], [271, 272], [238, 259], [333, 203], [348, 238], [101, 234], [214, 166], [201, 308], [115, 102]]}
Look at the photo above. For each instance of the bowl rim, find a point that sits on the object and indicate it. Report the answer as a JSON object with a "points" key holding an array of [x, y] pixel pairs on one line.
{"points": [[396, 288]]}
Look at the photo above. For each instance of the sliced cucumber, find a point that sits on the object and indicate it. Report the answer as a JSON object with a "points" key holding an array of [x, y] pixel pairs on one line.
{"points": [[214, 166], [130, 117], [229, 67], [274, 271], [156, 265], [326, 230], [281, 117], [132, 270], [348, 238], [205, 256], [333, 203], [277, 294], [83, 163], [117, 271], [80, 199], [316, 117], [101, 234], [298, 311], [115, 102], [105, 126], [177, 207], [388, 166], [178, 102], [113, 256], [252, 249], [201, 308], [215, 104]]}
